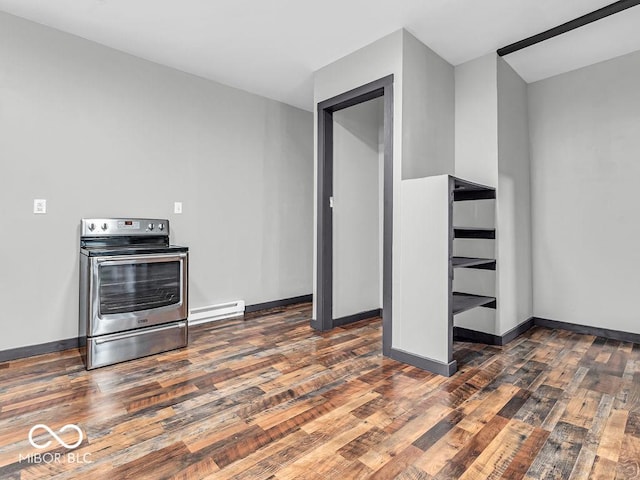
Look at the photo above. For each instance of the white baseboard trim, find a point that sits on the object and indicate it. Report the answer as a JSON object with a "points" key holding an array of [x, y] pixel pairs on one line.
{"points": [[212, 313]]}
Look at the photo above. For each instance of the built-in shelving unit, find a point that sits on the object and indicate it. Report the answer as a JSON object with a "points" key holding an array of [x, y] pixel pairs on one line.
{"points": [[466, 301], [439, 237], [463, 190], [472, 232], [469, 262]]}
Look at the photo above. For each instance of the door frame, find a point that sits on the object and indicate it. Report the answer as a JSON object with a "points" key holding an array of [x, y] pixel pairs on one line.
{"points": [[382, 87]]}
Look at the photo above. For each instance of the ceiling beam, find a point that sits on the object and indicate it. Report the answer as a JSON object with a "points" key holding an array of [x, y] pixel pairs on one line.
{"points": [[603, 12]]}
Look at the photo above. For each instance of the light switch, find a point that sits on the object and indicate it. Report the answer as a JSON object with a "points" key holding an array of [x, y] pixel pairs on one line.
{"points": [[39, 205], [177, 207]]}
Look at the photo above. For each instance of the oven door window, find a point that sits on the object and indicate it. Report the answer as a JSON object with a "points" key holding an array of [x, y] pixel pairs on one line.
{"points": [[138, 286]]}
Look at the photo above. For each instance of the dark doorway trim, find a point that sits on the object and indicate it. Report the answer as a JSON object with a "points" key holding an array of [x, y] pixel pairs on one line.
{"points": [[599, 14], [382, 87]]}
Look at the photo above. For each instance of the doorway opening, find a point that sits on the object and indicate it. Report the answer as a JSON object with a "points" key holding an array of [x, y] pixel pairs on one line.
{"points": [[327, 301]]}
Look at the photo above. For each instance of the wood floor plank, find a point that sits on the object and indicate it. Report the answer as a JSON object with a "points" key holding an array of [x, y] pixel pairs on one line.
{"points": [[558, 456], [633, 424], [359, 446], [398, 464], [525, 455], [265, 462], [603, 469], [601, 382], [442, 452], [477, 419], [515, 403], [584, 464], [583, 468], [581, 409], [402, 438], [413, 473], [312, 461], [269, 398], [435, 433], [539, 406], [610, 443], [160, 463], [629, 460], [493, 460], [473, 449]]}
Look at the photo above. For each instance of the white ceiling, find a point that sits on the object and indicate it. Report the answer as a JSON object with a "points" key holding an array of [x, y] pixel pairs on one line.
{"points": [[273, 47]]}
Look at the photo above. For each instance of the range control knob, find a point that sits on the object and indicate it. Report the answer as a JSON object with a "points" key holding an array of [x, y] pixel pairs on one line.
{"points": [[161, 226], [151, 226], [92, 227], [104, 226]]}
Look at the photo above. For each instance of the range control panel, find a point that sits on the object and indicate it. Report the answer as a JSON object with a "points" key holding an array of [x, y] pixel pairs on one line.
{"points": [[98, 227]]}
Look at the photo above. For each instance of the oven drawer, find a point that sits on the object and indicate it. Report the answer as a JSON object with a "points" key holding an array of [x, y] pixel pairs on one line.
{"points": [[109, 349]]}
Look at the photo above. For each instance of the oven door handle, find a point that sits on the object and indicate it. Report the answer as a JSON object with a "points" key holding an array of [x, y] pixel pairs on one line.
{"points": [[137, 333], [151, 258]]}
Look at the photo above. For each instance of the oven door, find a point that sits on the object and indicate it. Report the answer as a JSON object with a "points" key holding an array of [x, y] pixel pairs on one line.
{"points": [[135, 291]]}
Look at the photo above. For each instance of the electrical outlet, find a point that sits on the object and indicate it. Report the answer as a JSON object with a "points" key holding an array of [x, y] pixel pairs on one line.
{"points": [[177, 207], [39, 205]]}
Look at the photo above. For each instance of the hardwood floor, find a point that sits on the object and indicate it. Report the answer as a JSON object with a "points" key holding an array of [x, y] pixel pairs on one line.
{"points": [[270, 398]]}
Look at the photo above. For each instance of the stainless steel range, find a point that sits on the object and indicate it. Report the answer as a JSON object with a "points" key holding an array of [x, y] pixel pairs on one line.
{"points": [[133, 290]]}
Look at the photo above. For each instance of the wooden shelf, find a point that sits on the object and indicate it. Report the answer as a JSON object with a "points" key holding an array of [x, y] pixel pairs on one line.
{"points": [[464, 190], [466, 301], [472, 232], [469, 262]]}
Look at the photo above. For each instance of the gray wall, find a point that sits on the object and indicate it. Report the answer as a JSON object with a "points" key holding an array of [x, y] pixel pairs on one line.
{"points": [[476, 120], [492, 148], [427, 111], [100, 133], [584, 128], [357, 216], [513, 203]]}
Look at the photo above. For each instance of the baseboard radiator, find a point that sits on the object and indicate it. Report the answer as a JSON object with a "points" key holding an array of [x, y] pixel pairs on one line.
{"points": [[216, 312]]}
